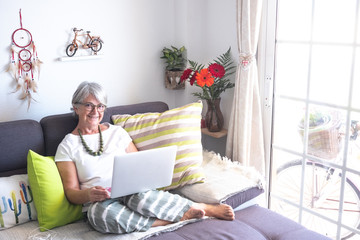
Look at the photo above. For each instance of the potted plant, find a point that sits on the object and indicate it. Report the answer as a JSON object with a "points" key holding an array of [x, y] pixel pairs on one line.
{"points": [[175, 60], [213, 81]]}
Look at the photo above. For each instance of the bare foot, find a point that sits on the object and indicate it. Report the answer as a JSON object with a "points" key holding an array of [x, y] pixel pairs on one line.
{"points": [[193, 212], [221, 211]]}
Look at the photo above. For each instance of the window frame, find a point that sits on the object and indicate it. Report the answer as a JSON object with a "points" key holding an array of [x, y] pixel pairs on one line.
{"points": [[266, 65]]}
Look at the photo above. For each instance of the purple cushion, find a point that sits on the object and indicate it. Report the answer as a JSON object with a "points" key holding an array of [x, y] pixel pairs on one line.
{"points": [[242, 197], [255, 223]]}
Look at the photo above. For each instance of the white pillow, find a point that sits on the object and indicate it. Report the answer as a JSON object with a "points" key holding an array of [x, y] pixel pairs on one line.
{"points": [[16, 201], [224, 179]]}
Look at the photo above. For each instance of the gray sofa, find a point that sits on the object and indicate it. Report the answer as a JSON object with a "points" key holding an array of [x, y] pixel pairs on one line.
{"points": [[253, 222]]}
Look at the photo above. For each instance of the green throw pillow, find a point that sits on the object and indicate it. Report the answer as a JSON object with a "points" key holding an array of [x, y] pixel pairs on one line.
{"points": [[53, 208], [179, 126]]}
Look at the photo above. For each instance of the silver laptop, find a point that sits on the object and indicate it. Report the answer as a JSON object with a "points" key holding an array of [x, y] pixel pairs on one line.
{"points": [[142, 171]]}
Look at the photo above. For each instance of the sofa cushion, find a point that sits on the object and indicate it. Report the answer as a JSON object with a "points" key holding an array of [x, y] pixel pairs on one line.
{"points": [[255, 223], [179, 126], [16, 203], [276, 226], [52, 207], [226, 182], [17, 137], [214, 229]]}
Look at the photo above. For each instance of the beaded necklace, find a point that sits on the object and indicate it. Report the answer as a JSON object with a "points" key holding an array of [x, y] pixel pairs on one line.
{"points": [[87, 148]]}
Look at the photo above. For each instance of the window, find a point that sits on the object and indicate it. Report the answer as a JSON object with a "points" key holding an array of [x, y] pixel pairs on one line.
{"points": [[315, 148]]}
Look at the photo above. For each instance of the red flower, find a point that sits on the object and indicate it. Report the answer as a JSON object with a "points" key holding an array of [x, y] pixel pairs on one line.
{"points": [[186, 75], [217, 70], [193, 78], [204, 77]]}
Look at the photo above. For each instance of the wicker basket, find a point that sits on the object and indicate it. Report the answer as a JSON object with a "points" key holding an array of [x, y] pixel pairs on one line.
{"points": [[325, 141]]}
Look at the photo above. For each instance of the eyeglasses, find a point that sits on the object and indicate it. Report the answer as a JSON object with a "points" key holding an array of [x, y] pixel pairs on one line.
{"points": [[90, 106]]}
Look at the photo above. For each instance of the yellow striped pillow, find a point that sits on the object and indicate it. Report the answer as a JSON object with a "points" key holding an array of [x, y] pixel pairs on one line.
{"points": [[179, 126]]}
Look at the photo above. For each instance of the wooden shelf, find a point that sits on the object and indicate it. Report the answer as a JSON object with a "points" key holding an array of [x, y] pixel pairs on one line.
{"points": [[220, 134]]}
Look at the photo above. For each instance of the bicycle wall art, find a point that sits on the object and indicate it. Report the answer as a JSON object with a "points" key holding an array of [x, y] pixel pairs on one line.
{"points": [[94, 43], [24, 64]]}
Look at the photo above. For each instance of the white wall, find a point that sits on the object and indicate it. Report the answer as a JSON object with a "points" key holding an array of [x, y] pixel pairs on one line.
{"points": [[134, 33], [211, 31]]}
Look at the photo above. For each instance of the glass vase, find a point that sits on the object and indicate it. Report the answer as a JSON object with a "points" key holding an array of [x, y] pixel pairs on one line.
{"points": [[214, 119]]}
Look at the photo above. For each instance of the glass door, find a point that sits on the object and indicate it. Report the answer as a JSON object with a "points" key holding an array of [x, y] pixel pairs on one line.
{"points": [[315, 148]]}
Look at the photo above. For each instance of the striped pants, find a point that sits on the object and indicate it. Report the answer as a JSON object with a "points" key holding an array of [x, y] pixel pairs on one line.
{"points": [[136, 212]]}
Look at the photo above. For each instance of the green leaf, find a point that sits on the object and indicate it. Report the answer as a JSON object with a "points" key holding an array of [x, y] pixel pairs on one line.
{"points": [[175, 58]]}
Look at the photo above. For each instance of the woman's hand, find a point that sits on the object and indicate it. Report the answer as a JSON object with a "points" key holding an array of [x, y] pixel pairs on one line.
{"points": [[97, 194]]}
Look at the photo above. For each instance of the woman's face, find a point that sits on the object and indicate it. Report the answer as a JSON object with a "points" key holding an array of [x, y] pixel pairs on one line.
{"points": [[90, 111]]}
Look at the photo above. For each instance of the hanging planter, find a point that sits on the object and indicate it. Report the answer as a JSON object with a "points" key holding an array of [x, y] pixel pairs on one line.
{"points": [[172, 80], [175, 65]]}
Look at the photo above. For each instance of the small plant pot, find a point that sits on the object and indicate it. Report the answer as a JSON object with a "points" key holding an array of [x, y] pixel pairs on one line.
{"points": [[172, 80]]}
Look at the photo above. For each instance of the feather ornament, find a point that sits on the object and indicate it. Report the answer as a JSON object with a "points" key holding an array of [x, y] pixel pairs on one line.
{"points": [[36, 61], [29, 100], [19, 67], [32, 45], [18, 87], [26, 84], [26, 93], [27, 96], [12, 51], [33, 86], [12, 69], [12, 66], [27, 81], [37, 65]]}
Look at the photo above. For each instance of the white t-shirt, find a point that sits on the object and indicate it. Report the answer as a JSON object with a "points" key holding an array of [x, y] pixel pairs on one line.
{"points": [[91, 170]]}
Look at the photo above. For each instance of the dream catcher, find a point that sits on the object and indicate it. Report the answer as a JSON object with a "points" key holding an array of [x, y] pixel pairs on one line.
{"points": [[25, 64]]}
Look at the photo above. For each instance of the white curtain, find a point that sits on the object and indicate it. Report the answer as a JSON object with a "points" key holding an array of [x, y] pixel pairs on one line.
{"points": [[245, 141]]}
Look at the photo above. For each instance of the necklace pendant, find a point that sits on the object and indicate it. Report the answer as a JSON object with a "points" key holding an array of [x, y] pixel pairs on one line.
{"points": [[87, 148]]}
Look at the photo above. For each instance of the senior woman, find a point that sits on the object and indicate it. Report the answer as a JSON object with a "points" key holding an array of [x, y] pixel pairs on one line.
{"points": [[85, 158]]}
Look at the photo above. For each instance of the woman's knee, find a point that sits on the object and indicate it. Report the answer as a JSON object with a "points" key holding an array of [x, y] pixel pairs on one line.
{"points": [[116, 218]]}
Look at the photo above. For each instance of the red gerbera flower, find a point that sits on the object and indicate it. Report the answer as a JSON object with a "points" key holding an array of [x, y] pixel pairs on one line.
{"points": [[193, 78], [204, 77], [217, 70], [186, 75]]}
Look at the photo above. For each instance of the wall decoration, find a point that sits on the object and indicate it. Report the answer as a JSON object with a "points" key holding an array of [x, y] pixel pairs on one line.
{"points": [[91, 42], [24, 66]]}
